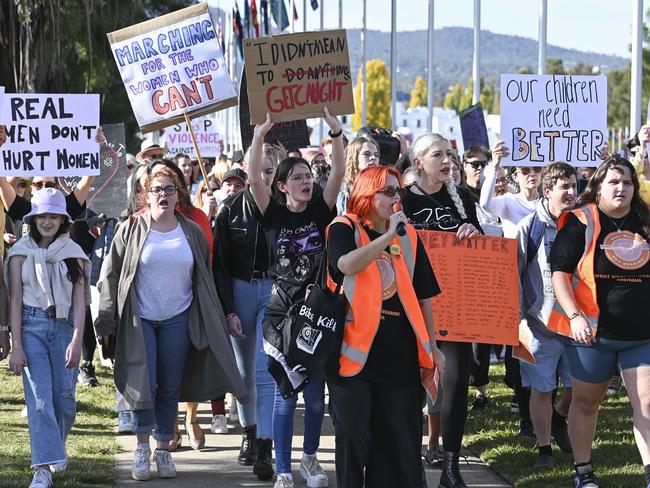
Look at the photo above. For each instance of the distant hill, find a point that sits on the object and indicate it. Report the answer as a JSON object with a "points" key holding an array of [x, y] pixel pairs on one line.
{"points": [[453, 50]]}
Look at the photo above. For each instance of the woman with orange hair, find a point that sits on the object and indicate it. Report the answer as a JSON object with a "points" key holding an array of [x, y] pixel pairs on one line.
{"points": [[388, 283]]}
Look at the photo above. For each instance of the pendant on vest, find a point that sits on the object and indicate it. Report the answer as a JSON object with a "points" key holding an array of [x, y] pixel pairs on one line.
{"points": [[395, 250]]}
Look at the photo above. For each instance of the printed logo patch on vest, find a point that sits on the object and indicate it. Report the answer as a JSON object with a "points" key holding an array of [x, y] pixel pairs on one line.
{"points": [[626, 250], [388, 281]]}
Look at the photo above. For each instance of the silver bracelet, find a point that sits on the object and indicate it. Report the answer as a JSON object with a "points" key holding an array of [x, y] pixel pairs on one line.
{"points": [[4, 328]]}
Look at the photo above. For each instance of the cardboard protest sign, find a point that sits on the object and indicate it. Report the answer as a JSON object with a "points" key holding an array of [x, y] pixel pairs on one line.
{"points": [[50, 135], [179, 140], [172, 65], [294, 76], [108, 192], [292, 135], [546, 118], [480, 287], [473, 128]]}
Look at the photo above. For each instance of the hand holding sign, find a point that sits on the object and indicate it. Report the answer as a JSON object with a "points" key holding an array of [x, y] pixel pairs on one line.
{"points": [[3, 134], [262, 129], [333, 122], [499, 152]]}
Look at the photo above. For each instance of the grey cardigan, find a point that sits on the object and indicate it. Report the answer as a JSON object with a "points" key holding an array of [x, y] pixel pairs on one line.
{"points": [[210, 370]]}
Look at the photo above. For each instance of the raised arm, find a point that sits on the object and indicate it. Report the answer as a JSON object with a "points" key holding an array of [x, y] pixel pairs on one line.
{"points": [[337, 172], [257, 185], [494, 205], [7, 193], [82, 189]]}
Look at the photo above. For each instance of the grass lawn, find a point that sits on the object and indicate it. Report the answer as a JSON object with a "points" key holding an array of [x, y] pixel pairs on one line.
{"points": [[493, 434], [91, 444]]}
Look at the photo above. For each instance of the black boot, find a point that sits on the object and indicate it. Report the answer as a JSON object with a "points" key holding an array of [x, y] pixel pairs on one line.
{"points": [[263, 467], [87, 374], [451, 477], [247, 451]]}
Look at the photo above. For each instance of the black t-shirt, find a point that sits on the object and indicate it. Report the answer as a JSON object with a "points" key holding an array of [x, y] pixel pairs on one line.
{"points": [[296, 241], [425, 214], [22, 207], [622, 271], [393, 356]]}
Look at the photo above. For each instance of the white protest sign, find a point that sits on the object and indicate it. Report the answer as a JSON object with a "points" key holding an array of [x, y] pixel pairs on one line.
{"points": [[50, 135], [546, 118], [172, 65], [179, 140]]}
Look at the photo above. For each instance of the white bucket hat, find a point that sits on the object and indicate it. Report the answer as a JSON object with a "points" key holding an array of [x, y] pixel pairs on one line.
{"points": [[47, 201]]}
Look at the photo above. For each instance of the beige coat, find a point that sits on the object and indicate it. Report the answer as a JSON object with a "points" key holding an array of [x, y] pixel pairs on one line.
{"points": [[211, 370]]}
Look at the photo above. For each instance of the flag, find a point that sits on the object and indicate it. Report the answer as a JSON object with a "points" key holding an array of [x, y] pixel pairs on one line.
{"points": [[281, 18], [264, 7], [247, 19], [237, 29], [220, 37], [256, 23], [314, 4], [295, 12]]}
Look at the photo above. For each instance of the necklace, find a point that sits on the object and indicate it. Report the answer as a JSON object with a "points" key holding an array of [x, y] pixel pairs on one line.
{"points": [[613, 221]]}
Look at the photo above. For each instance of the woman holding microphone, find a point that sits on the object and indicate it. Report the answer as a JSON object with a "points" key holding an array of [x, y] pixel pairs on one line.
{"points": [[388, 282]]}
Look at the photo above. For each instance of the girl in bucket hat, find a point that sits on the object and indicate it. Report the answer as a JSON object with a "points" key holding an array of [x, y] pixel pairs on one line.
{"points": [[46, 276]]}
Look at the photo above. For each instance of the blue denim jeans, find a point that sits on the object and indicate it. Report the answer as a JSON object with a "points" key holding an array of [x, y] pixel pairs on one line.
{"points": [[250, 300], [167, 343], [314, 395], [49, 386]]}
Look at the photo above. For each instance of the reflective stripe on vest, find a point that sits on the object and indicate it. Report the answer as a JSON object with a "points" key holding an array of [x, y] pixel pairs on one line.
{"points": [[363, 293], [583, 280]]}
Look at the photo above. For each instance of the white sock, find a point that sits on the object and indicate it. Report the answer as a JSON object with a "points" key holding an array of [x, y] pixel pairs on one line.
{"points": [[288, 476], [145, 445], [308, 456]]}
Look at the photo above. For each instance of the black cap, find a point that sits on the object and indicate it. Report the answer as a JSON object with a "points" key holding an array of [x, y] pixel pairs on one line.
{"points": [[238, 173]]}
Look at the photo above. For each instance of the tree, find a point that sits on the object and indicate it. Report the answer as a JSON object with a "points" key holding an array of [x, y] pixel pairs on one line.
{"points": [[555, 66], [459, 98], [377, 97], [419, 94], [455, 98], [524, 71]]}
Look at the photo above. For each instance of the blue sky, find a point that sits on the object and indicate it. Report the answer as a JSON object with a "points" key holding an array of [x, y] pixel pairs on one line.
{"points": [[602, 26]]}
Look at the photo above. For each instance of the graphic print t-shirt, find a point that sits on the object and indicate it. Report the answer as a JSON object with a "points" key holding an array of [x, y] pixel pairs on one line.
{"points": [[424, 214], [393, 356], [295, 241], [622, 271]]}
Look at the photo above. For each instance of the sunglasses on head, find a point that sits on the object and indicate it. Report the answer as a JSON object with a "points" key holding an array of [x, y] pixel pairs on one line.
{"points": [[391, 191], [40, 184], [526, 170]]}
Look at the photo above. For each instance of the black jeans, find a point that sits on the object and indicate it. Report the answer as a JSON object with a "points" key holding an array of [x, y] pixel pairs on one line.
{"points": [[89, 343], [378, 433], [455, 383], [480, 364]]}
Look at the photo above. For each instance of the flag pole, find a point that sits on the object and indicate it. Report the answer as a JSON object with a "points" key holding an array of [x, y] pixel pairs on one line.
{"points": [[393, 63], [430, 70], [476, 77], [364, 98]]}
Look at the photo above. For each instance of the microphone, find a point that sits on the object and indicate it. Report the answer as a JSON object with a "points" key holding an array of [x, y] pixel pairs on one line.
{"points": [[401, 227]]}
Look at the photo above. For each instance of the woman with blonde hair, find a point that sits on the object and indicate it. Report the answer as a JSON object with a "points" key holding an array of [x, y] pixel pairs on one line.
{"points": [[360, 154], [435, 203], [208, 203]]}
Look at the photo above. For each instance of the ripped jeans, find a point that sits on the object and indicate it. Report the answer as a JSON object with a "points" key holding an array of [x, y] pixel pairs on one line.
{"points": [[49, 386]]}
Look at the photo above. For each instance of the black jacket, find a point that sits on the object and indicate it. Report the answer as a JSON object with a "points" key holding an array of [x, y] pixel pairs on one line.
{"points": [[236, 235]]}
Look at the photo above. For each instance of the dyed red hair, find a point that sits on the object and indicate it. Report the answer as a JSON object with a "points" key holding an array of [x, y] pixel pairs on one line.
{"points": [[366, 185]]}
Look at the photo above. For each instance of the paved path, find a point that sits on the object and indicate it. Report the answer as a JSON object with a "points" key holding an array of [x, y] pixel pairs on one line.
{"points": [[216, 464]]}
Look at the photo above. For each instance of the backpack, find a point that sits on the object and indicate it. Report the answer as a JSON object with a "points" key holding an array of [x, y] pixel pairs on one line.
{"points": [[535, 237]]}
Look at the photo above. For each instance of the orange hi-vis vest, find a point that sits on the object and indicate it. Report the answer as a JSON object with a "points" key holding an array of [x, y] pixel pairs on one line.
{"points": [[364, 295], [584, 281]]}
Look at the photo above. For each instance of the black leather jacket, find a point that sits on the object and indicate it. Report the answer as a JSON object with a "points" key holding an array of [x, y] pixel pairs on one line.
{"points": [[236, 234]]}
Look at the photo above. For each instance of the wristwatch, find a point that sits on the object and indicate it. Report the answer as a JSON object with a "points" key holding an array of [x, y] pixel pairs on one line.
{"points": [[575, 315]]}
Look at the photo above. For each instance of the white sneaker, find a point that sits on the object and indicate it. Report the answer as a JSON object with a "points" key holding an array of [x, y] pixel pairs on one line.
{"points": [[23, 412], [312, 473], [233, 415], [42, 479], [59, 467], [141, 469], [219, 424], [164, 464], [124, 422], [283, 481]]}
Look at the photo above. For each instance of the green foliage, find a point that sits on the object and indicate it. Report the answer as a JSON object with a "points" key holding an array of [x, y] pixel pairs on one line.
{"points": [[555, 66], [60, 46], [459, 98], [378, 97], [419, 94]]}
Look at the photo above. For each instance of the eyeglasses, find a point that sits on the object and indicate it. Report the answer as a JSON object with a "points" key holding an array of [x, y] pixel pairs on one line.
{"points": [[391, 191], [307, 177], [40, 184], [22, 184], [159, 190], [129, 166], [526, 170], [477, 164]]}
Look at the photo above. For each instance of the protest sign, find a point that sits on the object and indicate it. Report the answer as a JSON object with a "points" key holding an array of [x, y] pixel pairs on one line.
{"points": [[294, 76], [480, 287], [173, 65], [107, 194], [50, 135], [292, 135], [546, 118], [179, 140], [473, 128]]}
